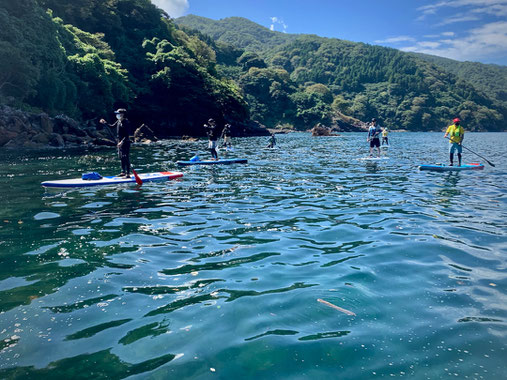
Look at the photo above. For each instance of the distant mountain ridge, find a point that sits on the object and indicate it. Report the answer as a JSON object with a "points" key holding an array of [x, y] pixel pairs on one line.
{"points": [[238, 32], [405, 90]]}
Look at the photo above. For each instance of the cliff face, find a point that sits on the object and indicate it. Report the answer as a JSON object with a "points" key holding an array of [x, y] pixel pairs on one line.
{"points": [[30, 130]]}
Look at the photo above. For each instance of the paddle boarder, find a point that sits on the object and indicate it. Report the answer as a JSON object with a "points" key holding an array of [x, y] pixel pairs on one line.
{"points": [[373, 136], [272, 141], [385, 140], [211, 131], [456, 134], [226, 136], [122, 125]]}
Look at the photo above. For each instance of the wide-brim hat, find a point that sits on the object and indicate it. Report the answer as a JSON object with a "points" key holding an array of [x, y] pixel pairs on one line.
{"points": [[120, 110]]}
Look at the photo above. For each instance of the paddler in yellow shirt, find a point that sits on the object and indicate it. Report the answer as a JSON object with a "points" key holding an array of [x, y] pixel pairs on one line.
{"points": [[456, 134], [385, 140]]}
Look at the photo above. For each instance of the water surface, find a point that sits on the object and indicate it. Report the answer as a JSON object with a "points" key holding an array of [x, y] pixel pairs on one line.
{"points": [[218, 274]]}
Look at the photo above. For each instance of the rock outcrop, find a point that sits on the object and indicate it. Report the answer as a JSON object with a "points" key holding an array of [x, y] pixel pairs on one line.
{"points": [[144, 135], [321, 130], [21, 129]]}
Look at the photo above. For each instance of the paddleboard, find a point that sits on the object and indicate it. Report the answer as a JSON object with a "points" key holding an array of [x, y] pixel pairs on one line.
{"points": [[446, 168], [225, 161], [112, 180], [373, 158], [226, 149]]}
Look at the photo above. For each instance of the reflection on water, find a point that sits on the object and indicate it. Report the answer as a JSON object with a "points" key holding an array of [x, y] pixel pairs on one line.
{"points": [[219, 273]]}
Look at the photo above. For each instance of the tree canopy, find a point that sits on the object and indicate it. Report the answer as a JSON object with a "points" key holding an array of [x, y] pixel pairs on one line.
{"points": [[326, 77], [86, 58]]}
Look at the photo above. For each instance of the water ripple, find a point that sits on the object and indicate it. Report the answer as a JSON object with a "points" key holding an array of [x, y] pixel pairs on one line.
{"points": [[223, 268]]}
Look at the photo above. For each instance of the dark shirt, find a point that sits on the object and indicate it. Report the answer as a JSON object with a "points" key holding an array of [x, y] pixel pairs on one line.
{"points": [[211, 131], [123, 130]]}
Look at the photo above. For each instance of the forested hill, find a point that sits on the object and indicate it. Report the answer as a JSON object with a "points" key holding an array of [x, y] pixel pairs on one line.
{"points": [[237, 31], [85, 58], [305, 79], [492, 79]]}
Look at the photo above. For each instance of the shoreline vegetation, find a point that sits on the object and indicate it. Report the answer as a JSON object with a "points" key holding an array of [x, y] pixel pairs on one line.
{"points": [[66, 65]]}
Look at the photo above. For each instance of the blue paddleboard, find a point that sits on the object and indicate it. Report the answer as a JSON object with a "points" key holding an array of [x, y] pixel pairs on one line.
{"points": [[225, 161], [446, 168], [112, 180]]}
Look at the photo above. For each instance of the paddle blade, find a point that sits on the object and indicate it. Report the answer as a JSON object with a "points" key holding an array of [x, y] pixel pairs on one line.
{"points": [[139, 181]]}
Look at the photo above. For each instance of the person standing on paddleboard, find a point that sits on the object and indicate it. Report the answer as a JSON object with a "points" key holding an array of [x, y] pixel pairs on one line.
{"points": [[211, 131], [123, 140], [456, 134], [272, 141], [384, 137], [374, 136], [226, 135]]}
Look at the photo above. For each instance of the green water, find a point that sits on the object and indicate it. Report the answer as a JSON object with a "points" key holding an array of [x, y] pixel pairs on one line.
{"points": [[217, 275]]}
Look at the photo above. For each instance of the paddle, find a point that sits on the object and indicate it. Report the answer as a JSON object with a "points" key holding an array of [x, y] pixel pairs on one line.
{"points": [[492, 164], [139, 181], [374, 136]]}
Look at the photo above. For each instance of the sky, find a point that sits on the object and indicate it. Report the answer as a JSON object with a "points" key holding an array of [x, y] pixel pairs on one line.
{"points": [[464, 30]]}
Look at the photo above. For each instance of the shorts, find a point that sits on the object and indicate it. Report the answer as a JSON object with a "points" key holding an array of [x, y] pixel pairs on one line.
{"points": [[212, 144], [375, 142], [455, 146]]}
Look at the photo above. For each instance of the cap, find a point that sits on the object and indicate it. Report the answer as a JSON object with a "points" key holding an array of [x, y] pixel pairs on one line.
{"points": [[373, 119], [457, 120]]}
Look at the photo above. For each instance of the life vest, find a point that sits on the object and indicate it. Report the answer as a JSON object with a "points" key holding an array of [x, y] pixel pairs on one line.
{"points": [[456, 133]]}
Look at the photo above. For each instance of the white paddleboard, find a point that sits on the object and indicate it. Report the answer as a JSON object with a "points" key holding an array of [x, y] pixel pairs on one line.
{"points": [[112, 180]]}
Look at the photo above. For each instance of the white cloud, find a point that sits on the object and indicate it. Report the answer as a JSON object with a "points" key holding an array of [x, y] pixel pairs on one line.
{"points": [[457, 18], [492, 7], [277, 21], [174, 8], [394, 40], [486, 41], [429, 44]]}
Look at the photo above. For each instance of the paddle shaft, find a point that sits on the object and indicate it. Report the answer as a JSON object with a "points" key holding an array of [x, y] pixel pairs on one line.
{"points": [[477, 154], [374, 136]]}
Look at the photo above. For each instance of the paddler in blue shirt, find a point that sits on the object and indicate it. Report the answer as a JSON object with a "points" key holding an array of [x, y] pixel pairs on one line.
{"points": [[456, 134], [374, 136], [122, 125]]}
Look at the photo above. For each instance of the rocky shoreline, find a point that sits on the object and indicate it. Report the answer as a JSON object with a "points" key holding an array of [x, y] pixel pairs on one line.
{"points": [[20, 129]]}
